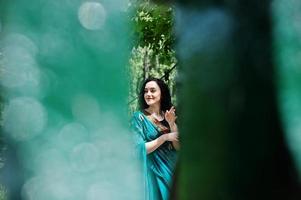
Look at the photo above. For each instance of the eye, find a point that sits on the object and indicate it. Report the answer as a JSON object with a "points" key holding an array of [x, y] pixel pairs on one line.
{"points": [[153, 90]]}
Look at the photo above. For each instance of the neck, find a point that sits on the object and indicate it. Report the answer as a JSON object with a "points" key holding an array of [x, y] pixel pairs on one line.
{"points": [[154, 109]]}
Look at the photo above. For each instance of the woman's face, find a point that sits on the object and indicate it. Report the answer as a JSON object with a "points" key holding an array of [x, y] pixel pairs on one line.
{"points": [[152, 93]]}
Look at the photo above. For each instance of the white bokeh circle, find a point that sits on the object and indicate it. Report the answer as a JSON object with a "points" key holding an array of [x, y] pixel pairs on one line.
{"points": [[92, 15]]}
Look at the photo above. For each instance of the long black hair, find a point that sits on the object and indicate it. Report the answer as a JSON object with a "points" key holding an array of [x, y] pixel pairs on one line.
{"points": [[165, 94]]}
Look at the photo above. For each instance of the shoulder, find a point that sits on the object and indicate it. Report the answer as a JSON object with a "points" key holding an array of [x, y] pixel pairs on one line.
{"points": [[137, 119], [138, 115]]}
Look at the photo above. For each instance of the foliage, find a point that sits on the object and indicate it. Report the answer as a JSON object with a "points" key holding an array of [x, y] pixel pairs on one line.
{"points": [[153, 27], [152, 54]]}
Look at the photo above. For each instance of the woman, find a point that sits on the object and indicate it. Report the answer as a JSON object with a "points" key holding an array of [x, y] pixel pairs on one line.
{"points": [[156, 135]]}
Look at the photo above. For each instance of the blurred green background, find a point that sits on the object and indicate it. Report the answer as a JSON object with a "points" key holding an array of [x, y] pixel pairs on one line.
{"points": [[64, 86]]}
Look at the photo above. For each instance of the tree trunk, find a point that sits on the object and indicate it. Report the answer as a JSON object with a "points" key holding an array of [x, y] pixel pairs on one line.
{"points": [[233, 143]]}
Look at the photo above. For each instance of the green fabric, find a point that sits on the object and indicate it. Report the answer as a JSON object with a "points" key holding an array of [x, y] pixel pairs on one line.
{"points": [[158, 166]]}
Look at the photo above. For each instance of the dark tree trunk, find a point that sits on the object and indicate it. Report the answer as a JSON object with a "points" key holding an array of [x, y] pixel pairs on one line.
{"points": [[233, 143]]}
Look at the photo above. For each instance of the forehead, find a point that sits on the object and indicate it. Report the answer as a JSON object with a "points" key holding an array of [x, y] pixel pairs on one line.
{"points": [[151, 84]]}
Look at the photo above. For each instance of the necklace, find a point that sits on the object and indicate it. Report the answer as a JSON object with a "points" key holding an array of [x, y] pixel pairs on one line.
{"points": [[163, 129]]}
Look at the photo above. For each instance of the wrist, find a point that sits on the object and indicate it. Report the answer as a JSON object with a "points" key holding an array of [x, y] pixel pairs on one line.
{"points": [[173, 127], [171, 123], [164, 137]]}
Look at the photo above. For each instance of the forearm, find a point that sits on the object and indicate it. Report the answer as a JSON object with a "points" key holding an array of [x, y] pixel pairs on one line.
{"points": [[153, 145], [174, 128]]}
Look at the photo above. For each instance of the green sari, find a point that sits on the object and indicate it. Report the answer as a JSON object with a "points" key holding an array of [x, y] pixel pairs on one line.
{"points": [[158, 166]]}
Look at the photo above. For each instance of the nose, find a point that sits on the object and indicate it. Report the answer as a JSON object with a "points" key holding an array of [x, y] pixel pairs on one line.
{"points": [[148, 93]]}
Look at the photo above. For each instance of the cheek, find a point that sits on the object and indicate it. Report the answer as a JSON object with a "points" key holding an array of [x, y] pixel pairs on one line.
{"points": [[159, 95]]}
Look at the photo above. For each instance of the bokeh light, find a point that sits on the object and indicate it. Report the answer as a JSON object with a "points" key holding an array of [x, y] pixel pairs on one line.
{"points": [[84, 157], [24, 118], [86, 110], [92, 15], [19, 70], [62, 69], [71, 135]]}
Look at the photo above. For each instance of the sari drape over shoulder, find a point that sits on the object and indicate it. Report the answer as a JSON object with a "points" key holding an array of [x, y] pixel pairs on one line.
{"points": [[158, 166]]}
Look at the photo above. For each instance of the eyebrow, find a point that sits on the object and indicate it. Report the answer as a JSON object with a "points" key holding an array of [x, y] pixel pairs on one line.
{"points": [[150, 88]]}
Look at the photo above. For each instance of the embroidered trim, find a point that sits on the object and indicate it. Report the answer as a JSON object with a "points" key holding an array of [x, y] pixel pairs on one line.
{"points": [[163, 129]]}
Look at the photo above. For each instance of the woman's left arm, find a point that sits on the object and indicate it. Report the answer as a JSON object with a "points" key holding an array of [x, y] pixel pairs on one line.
{"points": [[174, 128], [170, 117]]}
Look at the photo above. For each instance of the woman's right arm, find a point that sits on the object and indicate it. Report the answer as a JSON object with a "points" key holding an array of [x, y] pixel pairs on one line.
{"points": [[153, 145]]}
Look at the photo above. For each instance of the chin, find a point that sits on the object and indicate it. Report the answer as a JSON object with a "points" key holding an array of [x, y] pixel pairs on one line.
{"points": [[149, 104]]}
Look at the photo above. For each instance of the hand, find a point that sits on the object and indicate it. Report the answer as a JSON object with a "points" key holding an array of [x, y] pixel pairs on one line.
{"points": [[170, 115], [172, 137]]}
